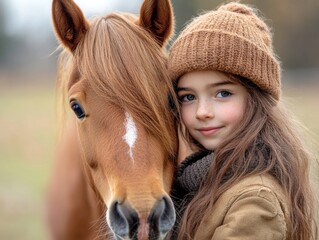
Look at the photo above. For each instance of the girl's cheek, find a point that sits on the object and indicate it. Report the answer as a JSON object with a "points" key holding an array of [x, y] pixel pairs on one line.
{"points": [[233, 114], [187, 116]]}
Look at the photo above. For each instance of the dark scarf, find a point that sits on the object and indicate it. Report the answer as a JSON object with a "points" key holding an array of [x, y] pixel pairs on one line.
{"points": [[193, 170], [189, 176]]}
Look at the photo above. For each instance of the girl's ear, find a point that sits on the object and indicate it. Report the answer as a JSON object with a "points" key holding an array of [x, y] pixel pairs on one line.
{"points": [[69, 23], [157, 17]]}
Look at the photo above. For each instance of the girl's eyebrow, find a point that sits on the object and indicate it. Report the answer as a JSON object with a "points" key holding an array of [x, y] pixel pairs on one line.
{"points": [[182, 89], [224, 82], [217, 84]]}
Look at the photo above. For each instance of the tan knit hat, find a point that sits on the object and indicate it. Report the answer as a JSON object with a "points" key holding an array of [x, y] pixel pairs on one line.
{"points": [[231, 39]]}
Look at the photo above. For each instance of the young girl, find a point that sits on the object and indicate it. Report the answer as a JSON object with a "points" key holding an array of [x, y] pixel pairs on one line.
{"points": [[250, 178]]}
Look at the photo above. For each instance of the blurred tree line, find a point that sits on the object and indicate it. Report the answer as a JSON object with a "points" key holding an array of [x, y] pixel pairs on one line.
{"points": [[24, 54], [294, 23], [3, 36]]}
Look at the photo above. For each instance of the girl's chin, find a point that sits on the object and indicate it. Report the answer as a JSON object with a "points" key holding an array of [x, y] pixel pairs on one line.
{"points": [[209, 146]]}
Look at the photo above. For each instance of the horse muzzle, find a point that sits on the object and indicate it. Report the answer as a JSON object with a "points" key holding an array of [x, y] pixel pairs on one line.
{"points": [[126, 223]]}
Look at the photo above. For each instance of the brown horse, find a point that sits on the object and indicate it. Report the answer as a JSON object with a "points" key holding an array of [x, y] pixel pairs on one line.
{"points": [[115, 160]]}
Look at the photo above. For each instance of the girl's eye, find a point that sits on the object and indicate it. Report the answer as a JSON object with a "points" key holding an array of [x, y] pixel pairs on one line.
{"points": [[78, 110], [223, 94], [187, 98]]}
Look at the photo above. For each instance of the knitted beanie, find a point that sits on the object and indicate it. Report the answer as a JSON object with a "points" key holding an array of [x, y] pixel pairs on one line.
{"points": [[231, 39]]}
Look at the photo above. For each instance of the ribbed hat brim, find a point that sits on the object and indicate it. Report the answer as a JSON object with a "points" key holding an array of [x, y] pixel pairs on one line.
{"points": [[230, 53]]}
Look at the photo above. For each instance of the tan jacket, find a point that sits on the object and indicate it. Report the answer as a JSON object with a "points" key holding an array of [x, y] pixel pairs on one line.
{"points": [[254, 208]]}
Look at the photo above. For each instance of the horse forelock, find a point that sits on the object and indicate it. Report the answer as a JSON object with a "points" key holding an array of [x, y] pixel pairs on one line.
{"points": [[123, 64]]}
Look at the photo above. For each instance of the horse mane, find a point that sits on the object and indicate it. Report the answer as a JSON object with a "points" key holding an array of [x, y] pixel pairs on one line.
{"points": [[131, 72]]}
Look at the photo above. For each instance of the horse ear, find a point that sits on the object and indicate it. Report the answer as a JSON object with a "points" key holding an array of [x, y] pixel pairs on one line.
{"points": [[69, 23], [157, 17]]}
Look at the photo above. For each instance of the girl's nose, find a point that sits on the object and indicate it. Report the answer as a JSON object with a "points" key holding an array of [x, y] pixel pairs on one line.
{"points": [[204, 110]]}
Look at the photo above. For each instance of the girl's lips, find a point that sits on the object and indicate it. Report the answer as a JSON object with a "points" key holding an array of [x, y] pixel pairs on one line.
{"points": [[208, 131]]}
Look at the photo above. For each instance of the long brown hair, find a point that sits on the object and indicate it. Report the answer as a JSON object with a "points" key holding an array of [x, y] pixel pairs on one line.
{"points": [[265, 142]]}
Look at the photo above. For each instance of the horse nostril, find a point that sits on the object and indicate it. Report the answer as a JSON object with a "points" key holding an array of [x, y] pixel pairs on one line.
{"points": [[162, 217], [122, 220]]}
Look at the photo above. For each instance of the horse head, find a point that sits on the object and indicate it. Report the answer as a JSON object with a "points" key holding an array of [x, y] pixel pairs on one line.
{"points": [[117, 85]]}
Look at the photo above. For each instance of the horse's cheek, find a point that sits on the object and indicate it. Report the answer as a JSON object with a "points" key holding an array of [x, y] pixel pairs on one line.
{"points": [[168, 172]]}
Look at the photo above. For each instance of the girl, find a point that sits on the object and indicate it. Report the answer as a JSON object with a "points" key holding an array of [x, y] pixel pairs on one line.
{"points": [[250, 178]]}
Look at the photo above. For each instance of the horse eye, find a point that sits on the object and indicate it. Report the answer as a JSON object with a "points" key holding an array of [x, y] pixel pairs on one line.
{"points": [[78, 110]]}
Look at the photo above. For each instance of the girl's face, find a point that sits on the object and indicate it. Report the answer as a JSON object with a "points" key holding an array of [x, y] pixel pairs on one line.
{"points": [[212, 105]]}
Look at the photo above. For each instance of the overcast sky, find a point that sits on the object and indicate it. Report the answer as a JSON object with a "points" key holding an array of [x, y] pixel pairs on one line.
{"points": [[36, 14]]}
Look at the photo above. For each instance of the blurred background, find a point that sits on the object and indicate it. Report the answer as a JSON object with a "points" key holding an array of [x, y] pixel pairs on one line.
{"points": [[27, 73]]}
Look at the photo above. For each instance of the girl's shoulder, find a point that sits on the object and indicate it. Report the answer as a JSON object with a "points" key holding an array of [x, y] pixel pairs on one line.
{"points": [[257, 181], [255, 207], [257, 186]]}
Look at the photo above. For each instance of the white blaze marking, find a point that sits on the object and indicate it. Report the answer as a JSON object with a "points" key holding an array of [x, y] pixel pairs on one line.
{"points": [[131, 133]]}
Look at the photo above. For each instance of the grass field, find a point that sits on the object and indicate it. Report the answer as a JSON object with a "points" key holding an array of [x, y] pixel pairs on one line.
{"points": [[26, 149], [27, 133]]}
